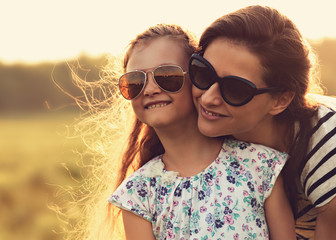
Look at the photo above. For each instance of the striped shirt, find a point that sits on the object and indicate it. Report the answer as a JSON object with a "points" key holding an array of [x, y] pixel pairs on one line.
{"points": [[318, 177]]}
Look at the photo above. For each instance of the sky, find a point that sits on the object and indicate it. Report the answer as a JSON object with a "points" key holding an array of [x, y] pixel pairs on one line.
{"points": [[51, 30]]}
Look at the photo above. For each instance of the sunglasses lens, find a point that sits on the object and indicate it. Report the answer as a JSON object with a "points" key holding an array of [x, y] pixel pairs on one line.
{"points": [[169, 78], [236, 91], [131, 84], [200, 74]]}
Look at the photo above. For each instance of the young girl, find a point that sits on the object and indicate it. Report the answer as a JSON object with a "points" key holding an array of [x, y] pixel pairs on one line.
{"points": [[188, 186], [251, 78]]}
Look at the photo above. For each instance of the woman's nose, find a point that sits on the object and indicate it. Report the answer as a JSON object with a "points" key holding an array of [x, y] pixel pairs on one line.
{"points": [[212, 96]]}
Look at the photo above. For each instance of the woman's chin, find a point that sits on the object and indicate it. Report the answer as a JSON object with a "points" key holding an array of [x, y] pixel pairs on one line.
{"points": [[209, 131]]}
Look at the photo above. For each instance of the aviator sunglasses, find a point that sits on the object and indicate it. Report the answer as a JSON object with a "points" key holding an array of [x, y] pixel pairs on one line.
{"points": [[169, 78], [235, 91]]}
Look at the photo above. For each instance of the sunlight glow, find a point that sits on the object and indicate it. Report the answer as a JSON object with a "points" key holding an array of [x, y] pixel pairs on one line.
{"points": [[37, 30]]}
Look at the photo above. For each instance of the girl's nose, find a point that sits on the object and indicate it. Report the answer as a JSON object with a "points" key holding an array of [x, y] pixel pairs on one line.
{"points": [[151, 87]]}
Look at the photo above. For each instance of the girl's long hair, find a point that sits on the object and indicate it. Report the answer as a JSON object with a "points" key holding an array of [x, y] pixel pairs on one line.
{"points": [[288, 63], [116, 140], [143, 142]]}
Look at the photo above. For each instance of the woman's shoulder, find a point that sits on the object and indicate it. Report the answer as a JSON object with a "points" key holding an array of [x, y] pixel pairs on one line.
{"points": [[324, 101], [324, 121]]}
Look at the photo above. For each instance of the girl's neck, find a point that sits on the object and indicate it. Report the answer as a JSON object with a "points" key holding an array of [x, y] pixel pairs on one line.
{"points": [[188, 151]]}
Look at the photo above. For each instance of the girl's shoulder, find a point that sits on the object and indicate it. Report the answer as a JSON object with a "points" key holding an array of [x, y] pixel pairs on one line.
{"points": [[257, 161], [143, 176], [245, 149], [152, 168]]}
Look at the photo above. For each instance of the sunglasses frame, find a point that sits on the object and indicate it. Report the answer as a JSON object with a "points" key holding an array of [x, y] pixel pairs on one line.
{"points": [[219, 80], [153, 75]]}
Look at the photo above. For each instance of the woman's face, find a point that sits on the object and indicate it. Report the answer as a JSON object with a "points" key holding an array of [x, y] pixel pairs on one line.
{"points": [[215, 116], [154, 106]]}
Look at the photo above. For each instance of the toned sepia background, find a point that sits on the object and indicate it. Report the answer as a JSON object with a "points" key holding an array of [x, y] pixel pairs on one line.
{"points": [[40, 157]]}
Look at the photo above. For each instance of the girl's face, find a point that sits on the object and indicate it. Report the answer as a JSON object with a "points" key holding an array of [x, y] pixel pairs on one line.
{"points": [[154, 106], [216, 117]]}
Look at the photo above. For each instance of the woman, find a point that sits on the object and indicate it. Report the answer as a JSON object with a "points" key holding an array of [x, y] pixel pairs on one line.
{"points": [[251, 76]]}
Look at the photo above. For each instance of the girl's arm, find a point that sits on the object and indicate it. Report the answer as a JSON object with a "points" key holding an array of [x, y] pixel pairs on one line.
{"points": [[136, 227], [326, 221], [279, 215]]}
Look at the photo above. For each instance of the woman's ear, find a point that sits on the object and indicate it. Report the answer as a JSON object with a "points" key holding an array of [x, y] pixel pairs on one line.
{"points": [[281, 102]]}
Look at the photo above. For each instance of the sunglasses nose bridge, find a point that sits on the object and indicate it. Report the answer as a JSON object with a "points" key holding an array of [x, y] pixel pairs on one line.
{"points": [[150, 87], [150, 77]]}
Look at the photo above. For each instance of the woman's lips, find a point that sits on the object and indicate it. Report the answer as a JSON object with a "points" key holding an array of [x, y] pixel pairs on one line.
{"points": [[210, 115]]}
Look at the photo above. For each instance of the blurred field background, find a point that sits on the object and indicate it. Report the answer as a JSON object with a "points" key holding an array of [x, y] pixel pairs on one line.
{"points": [[39, 156]]}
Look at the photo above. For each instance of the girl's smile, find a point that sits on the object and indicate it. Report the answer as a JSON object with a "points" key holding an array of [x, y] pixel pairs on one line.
{"points": [[156, 105]]}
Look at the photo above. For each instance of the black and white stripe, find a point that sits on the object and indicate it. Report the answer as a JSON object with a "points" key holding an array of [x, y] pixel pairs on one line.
{"points": [[319, 174], [318, 177]]}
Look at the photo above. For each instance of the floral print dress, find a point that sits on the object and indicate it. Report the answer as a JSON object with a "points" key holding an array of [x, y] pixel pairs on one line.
{"points": [[224, 201]]}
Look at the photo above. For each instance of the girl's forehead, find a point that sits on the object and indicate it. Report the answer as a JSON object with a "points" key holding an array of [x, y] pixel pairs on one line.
{"points": [[157, 52]]}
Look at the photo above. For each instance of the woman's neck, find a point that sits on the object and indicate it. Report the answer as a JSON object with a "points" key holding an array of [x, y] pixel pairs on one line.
{"points": [[272, 133]]}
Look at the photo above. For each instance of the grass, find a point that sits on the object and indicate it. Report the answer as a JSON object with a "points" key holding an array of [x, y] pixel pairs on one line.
{"points": [[36, 159]]}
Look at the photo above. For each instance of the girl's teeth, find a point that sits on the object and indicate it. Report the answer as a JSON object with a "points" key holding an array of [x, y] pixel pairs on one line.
{"points": [[157, 105]]}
